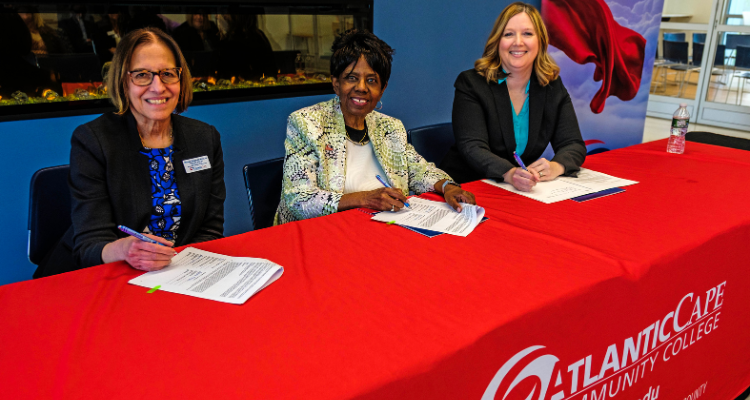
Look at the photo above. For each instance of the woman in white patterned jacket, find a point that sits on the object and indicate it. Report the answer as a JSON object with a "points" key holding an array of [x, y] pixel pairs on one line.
{"points": [[335, 149]]}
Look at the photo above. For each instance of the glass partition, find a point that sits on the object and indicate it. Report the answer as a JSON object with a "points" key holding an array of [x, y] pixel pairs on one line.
{"points": [[730, 70], [677, 68], [737, 13], [54, 57]]}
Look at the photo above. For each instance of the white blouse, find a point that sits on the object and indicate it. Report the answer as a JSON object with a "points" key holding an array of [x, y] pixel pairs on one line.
{"points": [[361, 168]]}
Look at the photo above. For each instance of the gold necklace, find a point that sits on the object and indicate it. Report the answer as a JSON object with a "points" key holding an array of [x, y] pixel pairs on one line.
{"points": [[170, 137], [361, 142]]}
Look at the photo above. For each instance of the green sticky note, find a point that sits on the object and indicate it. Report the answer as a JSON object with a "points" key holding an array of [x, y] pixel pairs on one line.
{"points": [[391, 223], [155, 288]]}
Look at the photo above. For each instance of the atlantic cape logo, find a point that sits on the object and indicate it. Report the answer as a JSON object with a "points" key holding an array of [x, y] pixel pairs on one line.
{"points": [[542, 367], [621, 366]]}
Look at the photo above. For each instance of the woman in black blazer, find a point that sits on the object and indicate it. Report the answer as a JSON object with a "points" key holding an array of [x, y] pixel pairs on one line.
{"points": [[513, 100], [142, 167]]}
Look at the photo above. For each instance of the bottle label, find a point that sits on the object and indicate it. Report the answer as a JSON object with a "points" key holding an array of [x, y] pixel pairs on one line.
{"points": [[679, 123]]}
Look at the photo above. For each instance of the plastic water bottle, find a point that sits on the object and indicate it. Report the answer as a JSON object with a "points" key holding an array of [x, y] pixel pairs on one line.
{"points": [[680, 121]]}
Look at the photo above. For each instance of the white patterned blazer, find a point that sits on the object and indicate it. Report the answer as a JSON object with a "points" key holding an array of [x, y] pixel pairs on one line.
{"points": [[315, 162]]}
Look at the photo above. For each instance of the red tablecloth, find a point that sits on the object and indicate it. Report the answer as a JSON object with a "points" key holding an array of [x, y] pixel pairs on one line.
{"points": [[559, 294]]}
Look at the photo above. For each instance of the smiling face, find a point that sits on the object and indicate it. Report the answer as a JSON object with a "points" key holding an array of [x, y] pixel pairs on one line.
{"points": [[157, 101], [519, 44], [359, 87]]}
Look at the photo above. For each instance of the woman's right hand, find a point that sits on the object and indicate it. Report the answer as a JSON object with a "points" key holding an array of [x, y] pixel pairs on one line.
{"points": [[521, 179], [381, 199], [139, 254]]}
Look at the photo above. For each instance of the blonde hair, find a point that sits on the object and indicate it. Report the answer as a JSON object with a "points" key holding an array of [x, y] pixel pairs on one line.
{"points": [[489, 66], [117, 79]]}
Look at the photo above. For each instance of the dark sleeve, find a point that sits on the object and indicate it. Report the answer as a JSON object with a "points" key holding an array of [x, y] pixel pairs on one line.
{"points": [[213, 219], [91, 211], [470, 130], [570, 150]]}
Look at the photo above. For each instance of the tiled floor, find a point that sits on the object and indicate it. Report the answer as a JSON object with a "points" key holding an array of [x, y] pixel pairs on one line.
{"points": [[657, 128], [719, 90]]}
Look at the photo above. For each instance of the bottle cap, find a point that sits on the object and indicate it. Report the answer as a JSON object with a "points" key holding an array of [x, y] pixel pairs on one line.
{"points": [[683, 104]]}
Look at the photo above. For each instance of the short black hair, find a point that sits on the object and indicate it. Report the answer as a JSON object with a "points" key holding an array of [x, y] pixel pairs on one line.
{"points": [[349, 46]]}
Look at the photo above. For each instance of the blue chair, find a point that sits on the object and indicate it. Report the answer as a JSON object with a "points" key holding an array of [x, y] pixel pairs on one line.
{"points": [[432, 142], [732, 40], [263, 183], [699, 38], [49, 210], [676, 56], [742, 61], [698, 49]]}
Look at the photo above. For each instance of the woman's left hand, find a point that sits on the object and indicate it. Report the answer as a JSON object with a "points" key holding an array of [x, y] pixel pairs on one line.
{"points": [[454, 196], [547, 170]]}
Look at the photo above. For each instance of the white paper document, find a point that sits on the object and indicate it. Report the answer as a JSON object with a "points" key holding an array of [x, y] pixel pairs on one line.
{"points": [[435, 216], [212, 276], [564, 188]]}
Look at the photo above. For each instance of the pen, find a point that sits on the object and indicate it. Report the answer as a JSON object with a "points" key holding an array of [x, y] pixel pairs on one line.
{"points": [[519, 161], [139, 235], [387, 185]]}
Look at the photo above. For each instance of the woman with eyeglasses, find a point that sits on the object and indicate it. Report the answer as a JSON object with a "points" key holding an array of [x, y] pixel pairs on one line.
{"points": [[143, 166]]}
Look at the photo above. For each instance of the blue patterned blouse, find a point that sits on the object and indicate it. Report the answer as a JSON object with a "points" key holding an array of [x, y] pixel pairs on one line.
{"points": [[165, 198]]}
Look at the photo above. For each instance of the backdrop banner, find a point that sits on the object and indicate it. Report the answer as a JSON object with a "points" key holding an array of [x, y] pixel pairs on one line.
{"points": [[605, 50]]}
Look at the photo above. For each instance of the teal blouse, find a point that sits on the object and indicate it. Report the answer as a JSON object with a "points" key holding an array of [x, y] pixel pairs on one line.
{"points": [[520, 122]]}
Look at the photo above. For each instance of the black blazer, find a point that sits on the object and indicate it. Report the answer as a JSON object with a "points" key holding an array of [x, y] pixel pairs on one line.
{"points": [[483, 128], [109, 184]]}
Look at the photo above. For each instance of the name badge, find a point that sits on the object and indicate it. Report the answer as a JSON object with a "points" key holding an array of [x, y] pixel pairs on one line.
{"points": [[196, 164]]}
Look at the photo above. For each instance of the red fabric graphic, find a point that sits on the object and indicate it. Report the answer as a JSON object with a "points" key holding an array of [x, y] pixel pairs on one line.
{"points": [[587, 32]]}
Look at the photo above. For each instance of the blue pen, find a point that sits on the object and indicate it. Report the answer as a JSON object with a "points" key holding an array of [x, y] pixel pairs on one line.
{"points": [[139, 235], [519, 161], [387, 185]]}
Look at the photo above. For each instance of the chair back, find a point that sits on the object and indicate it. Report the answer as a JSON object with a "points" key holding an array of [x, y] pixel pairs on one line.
{"points": [[699, 38], [718, 140], [263, 183], [742, 59], [432, 142], [698, 53], [720, 53], [49, 210], [732, 40], [674, 36], [676, 51]]}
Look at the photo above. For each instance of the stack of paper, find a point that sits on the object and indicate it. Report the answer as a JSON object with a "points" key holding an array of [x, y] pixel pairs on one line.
{"points": [[564, 188], [212, 276], [435, 216]]}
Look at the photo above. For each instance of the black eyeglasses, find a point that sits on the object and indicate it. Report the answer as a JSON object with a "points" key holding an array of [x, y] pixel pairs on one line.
{"points": [[144, 77]]}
